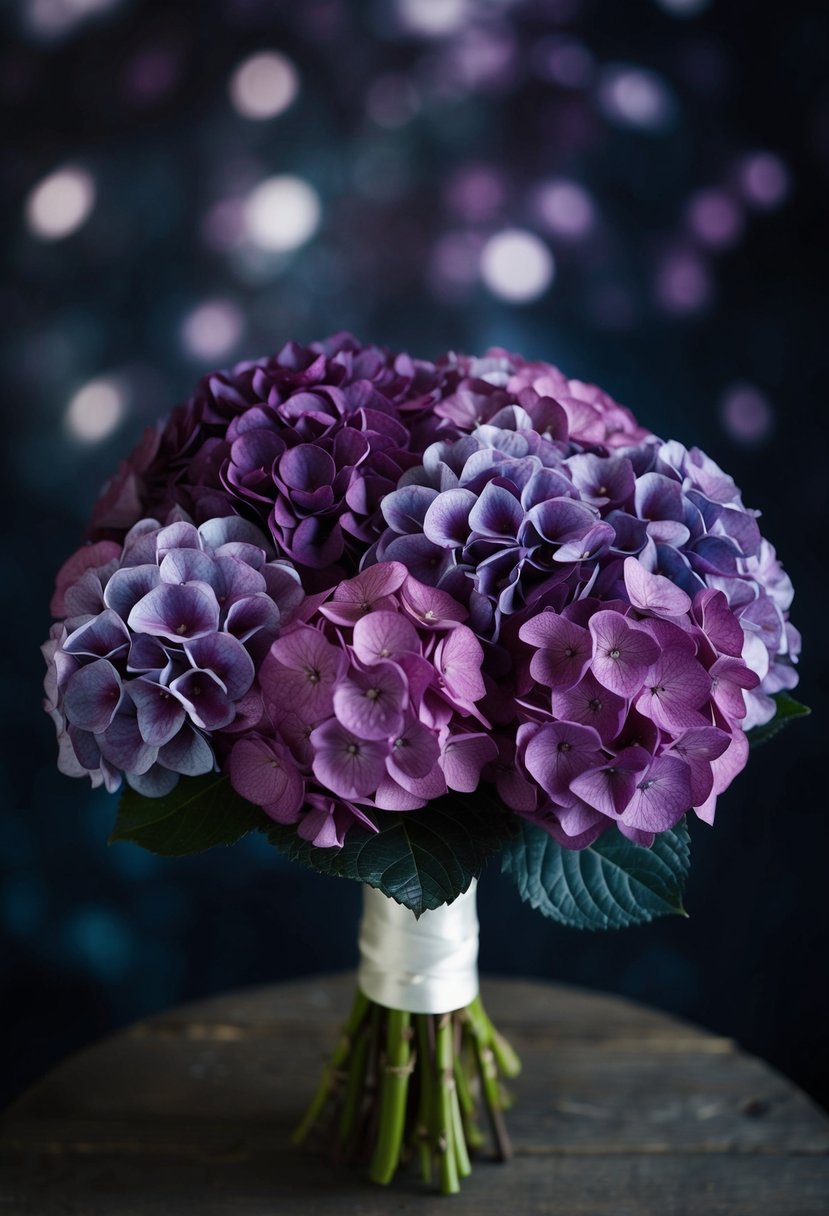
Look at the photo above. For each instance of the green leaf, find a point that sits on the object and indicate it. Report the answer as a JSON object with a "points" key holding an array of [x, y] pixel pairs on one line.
{"points": [[787, 710], [198, 814], [610, 885], [421, 859]]}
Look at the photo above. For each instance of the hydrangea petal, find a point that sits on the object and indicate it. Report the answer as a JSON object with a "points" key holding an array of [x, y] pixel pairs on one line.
{"points": [[463, 757], [652, 593], [344, 764], [370, 702], [661, 797], [589, 704], [176, 612], [621, 655], [384, 635], [204, 697], [187, 753], [92, 696], [301, 671], [558, 752], [160, 714], [262, 771], [226, 658]]}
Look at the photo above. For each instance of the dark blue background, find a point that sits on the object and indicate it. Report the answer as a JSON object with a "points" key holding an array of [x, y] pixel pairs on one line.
{"points": [[136, 96]]}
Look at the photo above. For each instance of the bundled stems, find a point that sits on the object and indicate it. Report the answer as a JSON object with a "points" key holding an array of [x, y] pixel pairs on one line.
{"points": [[403, 1087]]}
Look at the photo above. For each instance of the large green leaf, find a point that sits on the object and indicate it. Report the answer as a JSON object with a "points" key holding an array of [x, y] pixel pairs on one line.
{"points": [[610, 885], [198, 814], [421, 859], [787, 710]]}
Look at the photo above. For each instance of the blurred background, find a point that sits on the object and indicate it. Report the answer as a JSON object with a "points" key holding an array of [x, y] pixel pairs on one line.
{"points": [[634, 191]]}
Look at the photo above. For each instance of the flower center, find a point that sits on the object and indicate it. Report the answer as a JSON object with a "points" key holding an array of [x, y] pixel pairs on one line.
{"points": [[595, 705], [182, 629], [569, 653], [372, 693], [313, 675], [614, 653], [564, 746], [353, 749]]}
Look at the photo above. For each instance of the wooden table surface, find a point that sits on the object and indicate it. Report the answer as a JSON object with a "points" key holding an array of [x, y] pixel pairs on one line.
{"points": [[620, 1110]]}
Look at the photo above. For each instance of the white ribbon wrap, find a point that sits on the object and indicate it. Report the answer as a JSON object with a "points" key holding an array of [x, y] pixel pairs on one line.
{"points": [[428, 965]]}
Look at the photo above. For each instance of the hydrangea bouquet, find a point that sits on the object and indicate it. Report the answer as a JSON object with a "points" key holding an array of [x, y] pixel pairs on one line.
{"points": [[400, 616]]}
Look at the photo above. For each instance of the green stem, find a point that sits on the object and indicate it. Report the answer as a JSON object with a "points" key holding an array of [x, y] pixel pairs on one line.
{"points": [[492, 1099], [426, 1100], [506, 1059], [331, 1072], [449, 1183], [354, 1089], [393, 1092]]}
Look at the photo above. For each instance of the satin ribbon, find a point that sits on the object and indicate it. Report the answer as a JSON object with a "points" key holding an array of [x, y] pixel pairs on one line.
{"points": [[428, 965]]}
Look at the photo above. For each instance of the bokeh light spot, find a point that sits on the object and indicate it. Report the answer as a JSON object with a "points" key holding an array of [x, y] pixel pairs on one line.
{"points": [[282, 213], [213, 329], [636, 97], [60, 204], [57, 18], [764, 180], [564, 61], [476, 192], [517, 266], [683, 283], [96, 410], [264, 85], [715, 218], [747, 414], [432, 18], [565, 208]]}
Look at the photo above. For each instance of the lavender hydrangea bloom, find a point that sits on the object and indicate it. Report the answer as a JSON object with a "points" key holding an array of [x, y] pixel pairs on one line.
{"points": [[654, 613], [370, 701], [155, 660]]}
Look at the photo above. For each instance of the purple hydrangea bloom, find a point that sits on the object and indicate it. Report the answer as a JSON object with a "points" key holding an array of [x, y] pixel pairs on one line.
{"points": [[370, 699], [155, 661]]}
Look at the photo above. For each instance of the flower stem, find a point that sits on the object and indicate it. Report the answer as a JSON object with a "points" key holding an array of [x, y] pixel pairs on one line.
{"points": [[354, 1089], [444, 1055], [401, 1084], [333, 1070], [393, 1092], [426, 1099]]}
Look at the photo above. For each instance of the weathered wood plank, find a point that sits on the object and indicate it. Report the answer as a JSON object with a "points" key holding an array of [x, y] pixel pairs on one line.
{"points": [[563, 1186], [617, 1108]]}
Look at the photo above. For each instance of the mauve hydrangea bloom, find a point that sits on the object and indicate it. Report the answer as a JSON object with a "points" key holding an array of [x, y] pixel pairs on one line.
{"points": [[371, 695], [156, 658]]}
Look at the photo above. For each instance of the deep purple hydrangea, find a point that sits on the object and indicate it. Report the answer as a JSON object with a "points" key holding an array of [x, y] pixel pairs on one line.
{"points": [[155, 661], [307, 442], [372, 703]]}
